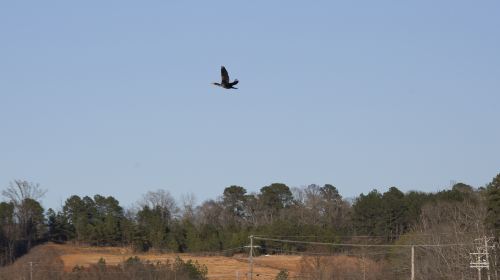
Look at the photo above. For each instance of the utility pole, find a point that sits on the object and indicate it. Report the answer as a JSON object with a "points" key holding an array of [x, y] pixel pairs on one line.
{"points": [[31, 270], [412, 262], [364, 266], [486, 240], [250, 258], [480, 259]]}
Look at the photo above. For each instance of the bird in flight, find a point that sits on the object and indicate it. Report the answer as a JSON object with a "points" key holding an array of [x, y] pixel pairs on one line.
{"points": [[225, 79]]}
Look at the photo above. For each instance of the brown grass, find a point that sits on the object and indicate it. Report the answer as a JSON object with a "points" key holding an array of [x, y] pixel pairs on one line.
{"points": [[219, 267], [66, 257]]}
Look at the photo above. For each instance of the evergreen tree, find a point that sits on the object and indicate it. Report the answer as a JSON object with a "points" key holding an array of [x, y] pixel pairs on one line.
{"points": [[7, 233], [368, 214], [155, 224], [273, 199], [395, 213], [233, 200], [58, 226], [493, 205], [31, 221]]}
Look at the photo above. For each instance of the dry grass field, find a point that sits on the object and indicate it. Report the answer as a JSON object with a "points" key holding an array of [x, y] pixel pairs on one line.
{"points": [[219, 267]]}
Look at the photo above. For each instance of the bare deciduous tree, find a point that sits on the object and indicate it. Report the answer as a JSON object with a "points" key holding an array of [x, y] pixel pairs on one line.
{"points": [[19, 190], [160, 198], [188, 206]]}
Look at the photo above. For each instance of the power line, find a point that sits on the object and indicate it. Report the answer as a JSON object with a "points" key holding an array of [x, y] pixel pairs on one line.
{"points": [[360, 245], [305, 253], [361, 236]]}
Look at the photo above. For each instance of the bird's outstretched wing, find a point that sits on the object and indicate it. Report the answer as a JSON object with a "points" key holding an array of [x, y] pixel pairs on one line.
{"points": [[235, 82], [224, 74]]}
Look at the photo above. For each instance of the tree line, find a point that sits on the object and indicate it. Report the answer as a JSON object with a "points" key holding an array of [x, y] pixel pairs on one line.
{"points": [[160, 223]]}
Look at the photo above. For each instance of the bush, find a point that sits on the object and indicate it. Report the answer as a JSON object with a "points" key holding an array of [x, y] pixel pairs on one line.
{"points": [[136, 269], [192, 269], [282, 275]]}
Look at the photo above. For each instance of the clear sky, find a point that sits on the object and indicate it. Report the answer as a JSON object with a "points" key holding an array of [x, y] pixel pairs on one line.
{"points": [[114, 97]]}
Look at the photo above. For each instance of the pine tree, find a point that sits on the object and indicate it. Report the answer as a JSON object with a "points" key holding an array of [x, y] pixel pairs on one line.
{"points": [[493, 205]]}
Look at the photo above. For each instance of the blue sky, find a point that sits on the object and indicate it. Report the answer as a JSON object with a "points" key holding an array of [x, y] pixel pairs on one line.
{"points": [[114, 97]]}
